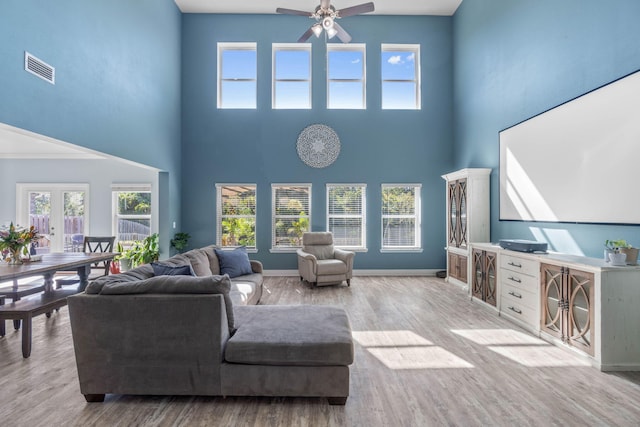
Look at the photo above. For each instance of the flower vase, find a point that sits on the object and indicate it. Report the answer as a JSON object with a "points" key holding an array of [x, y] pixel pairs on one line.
{"points": [[15, 256]]}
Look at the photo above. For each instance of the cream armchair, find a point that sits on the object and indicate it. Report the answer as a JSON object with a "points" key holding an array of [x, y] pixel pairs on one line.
{"points": [[320, 263]]}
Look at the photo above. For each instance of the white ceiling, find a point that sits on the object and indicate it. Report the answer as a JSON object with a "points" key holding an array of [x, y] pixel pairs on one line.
{"points": [[383, 7], [21, 144]]}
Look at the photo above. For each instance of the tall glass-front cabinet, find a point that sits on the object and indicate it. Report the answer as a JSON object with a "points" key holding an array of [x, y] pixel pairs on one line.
{"points": [[468, 218]]}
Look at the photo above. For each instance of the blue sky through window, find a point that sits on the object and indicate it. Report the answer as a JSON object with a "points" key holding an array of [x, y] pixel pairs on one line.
{"points": [[292, 86], [399, 80], [238, 78], [346, 78]]}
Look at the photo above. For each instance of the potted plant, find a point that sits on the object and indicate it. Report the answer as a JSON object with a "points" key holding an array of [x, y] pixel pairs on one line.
{"points": [[180, 241], [618, 252], [140, 252]]}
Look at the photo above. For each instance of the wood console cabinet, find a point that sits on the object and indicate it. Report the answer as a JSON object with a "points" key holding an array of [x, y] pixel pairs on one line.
{"points": [[467, 195], [484, 282], [567, 301], [583, 303]]}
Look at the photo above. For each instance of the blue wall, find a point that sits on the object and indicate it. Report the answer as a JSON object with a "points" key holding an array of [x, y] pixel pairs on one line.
{"points": [[259, 146], [515, 59], [117, 78]]}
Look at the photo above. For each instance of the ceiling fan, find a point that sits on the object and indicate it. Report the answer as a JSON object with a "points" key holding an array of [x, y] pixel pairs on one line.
{"points": [[326, 16]]}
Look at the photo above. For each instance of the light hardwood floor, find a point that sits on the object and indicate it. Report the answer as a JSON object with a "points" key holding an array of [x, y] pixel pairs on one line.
{"points": [[425, 356]]}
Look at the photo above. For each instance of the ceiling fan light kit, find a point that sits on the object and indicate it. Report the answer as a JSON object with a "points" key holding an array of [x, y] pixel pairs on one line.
{"points": [[326, 16]]}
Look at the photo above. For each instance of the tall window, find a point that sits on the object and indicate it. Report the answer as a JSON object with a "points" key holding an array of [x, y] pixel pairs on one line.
{"points": [[291, 214], [346, 73], [237, 75], [131, 212], [400, 72], [346, 214], [236, 215], [401, 216], [291, 75]]}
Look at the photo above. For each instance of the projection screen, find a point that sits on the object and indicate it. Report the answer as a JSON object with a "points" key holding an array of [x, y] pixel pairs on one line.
{"points": [[578, 162]]}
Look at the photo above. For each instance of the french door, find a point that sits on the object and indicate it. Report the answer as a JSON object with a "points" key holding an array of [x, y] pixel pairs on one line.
{"points": [[60, 213]]}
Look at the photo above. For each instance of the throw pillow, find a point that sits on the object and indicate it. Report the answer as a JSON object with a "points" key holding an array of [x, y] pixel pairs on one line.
{"points": [[171, 270], [234, 263]]}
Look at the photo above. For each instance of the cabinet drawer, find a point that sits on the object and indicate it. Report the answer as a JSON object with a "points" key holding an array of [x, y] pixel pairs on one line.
{"points": [[518, 296], [524, 266], [519, 280], [514, 308]]}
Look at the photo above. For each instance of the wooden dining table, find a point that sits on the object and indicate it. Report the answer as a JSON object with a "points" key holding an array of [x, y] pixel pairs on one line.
{"points": [[49, 298]]}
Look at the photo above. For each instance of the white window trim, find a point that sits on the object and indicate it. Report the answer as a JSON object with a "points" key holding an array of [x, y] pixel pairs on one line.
{"points": [[363, 247], [280, 249], [362, 47], [415, 49], [418, 218], [289, 46], [219, 186], [133, 188], [252, 46]]}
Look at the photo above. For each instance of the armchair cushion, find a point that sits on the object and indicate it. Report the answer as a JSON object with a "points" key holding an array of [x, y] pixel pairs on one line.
{"points": [[319, 244]]}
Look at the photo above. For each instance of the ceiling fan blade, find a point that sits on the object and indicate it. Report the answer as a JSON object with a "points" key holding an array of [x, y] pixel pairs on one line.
{"points": [[293, 12], [341, 33], [356, 10], [306, 35]]}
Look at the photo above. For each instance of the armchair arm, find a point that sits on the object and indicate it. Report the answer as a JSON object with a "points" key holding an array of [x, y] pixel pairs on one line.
{"points": [[256, 266], [306, 256], [344, 256], [307, 265]]}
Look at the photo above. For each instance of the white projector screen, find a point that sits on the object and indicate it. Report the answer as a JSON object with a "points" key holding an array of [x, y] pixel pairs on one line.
{"points": [[578, 162]]}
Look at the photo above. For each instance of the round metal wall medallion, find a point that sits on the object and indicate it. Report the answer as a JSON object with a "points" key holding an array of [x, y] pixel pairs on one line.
{"points": [[318, 146]]}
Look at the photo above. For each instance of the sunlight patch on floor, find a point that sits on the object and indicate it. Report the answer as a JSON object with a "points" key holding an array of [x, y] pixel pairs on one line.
{"points": [[498, 337], [407, 350], [432, 357], [539, 356], [389, 338]]}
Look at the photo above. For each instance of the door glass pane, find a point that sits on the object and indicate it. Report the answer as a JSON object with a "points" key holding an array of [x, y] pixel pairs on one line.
{"points": [[39, 217], [73, 221]]}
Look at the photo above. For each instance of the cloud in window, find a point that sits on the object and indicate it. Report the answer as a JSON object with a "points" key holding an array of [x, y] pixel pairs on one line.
{"points": [[356, 61], [411, 57], [395, 59]]}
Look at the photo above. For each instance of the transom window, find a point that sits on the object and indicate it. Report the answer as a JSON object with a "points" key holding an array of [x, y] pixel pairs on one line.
{"points": [[291, 76], [237, 75], [131, 213], [346, 214], [400, 72], [236, 215], [346, 73], [401, 216], [291, 214]]}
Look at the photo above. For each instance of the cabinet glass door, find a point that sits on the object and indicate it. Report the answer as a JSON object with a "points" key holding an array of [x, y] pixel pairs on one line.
{"points": [[477, 285], [490, 282], [580, 324], [552, 309], [453, 214], [462, 229]]}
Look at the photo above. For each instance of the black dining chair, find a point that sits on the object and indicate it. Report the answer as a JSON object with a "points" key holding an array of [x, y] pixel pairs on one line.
{"points": [[92, 244]]}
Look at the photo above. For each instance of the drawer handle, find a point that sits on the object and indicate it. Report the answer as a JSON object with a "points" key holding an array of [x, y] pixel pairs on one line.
{"points": [[513, 264], [515, 279], [515, 310], [515, 295]]}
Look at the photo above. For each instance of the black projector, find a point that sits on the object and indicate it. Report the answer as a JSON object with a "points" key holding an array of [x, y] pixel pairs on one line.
{"points": [[523, 245]]}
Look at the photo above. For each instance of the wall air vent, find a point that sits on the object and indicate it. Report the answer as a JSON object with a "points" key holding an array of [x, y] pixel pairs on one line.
{"points": [[39, 68]]}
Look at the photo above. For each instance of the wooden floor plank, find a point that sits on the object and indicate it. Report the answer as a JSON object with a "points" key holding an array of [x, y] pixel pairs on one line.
{"points": [[427, 356]]}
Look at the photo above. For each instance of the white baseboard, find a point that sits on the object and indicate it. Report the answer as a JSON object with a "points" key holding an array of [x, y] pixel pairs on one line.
{"points": [[421, 272]]}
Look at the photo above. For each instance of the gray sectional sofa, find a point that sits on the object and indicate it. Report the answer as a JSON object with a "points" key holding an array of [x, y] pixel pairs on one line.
{"points": [[140, 333]]}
